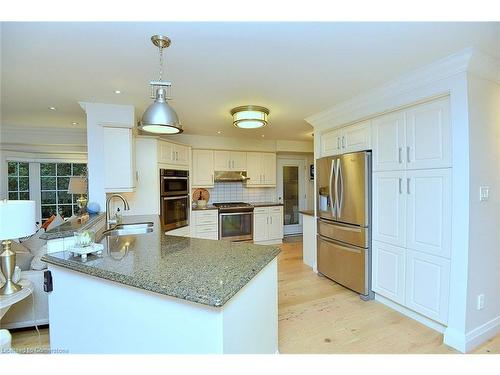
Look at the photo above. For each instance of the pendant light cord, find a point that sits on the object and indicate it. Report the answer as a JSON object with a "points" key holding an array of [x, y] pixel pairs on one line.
{"points": [[161, 62]]}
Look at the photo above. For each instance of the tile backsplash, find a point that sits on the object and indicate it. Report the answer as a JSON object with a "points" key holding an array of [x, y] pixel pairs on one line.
{"points": [[237, 192]]}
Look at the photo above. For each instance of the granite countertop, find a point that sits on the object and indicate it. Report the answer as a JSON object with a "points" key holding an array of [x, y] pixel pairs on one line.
{"points": [[207, 207], [307, 212], [68, 228], [203, 271], [265, 204]]}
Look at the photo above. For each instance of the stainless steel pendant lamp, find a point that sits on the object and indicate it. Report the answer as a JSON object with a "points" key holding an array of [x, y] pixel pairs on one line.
{"points": [[160, 117]]}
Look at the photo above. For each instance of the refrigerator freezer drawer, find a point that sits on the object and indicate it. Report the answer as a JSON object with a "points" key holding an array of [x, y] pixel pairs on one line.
{"points": [[351, 234], [345, 264]]}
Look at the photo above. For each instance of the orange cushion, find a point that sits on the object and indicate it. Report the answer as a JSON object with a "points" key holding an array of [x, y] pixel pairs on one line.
{"points": [[48, 221]]}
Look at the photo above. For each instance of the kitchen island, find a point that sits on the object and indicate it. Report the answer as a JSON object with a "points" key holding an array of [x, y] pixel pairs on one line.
{"points": [[153, 293]]}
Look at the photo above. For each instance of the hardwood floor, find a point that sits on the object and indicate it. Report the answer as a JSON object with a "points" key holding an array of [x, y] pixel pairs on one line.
{"points": [[318, 316]]}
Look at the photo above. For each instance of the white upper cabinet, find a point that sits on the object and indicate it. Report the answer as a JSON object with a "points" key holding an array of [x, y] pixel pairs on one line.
{"points": [[352, 138], [389, 207], [388, 137], [172, 153], [119, 156], [230, 161], [416, 138], [429, 211], [330, 143], [203, 168], [261, 169], [428, 135], [356, 137]]}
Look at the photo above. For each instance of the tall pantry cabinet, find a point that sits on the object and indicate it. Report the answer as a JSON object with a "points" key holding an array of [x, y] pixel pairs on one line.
{"points": [[412, 207]]}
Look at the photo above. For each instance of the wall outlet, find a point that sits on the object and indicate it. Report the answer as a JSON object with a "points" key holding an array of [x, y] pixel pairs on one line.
{"points": [[484, 193], [480, 301]]}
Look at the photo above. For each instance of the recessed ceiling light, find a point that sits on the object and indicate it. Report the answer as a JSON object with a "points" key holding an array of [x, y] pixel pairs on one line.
{"points": [[74, 123], [262, 135], [52, 108], [118, 92], [219, 132]]}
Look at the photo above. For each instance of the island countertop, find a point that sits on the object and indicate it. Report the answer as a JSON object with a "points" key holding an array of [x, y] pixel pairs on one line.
{"points": [[203, 271]]}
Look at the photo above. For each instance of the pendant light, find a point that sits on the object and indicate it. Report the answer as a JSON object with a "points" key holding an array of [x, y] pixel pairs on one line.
{"points": [[249, 116], [160, 117]]}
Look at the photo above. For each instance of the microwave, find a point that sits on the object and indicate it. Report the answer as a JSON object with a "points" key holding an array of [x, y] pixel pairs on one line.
{"points": [[173, 182]]}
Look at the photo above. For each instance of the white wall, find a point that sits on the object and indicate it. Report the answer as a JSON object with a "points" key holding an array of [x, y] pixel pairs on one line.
{"points": [[484, 227], [245, 144]]}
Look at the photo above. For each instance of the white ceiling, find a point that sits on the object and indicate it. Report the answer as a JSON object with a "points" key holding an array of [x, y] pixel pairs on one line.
{"points": [[294, 69]]}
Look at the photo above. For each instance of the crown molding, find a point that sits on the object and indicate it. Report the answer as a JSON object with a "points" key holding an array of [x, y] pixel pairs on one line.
{"points": [[469, 60], [42, 130]]}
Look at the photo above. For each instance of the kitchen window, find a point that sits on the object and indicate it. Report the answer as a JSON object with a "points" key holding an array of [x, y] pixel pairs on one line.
{"points": [[18, 184], [46, 183], [54, 181]]}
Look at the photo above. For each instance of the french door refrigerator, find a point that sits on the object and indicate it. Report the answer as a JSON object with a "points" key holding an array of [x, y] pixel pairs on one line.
{"points": [[344, 220]]}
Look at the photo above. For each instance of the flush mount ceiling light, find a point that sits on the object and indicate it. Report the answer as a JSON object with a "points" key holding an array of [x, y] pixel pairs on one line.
{"points": [[160, 117], [249, 116]]}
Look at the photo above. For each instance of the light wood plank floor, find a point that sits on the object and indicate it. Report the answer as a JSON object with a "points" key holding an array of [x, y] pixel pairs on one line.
{"points": [[318, 316]]}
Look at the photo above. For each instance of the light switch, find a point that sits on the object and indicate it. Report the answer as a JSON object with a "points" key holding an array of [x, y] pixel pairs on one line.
{"points": [[484, 193]]}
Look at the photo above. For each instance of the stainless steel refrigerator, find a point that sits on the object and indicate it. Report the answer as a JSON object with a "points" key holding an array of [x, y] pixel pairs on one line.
{"points": [[344, 220]]}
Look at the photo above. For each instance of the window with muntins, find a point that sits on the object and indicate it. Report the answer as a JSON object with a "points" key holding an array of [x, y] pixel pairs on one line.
{"points": [[18, 180], [54, 181]]}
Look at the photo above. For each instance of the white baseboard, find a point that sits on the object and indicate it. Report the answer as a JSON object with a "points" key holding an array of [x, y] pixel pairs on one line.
{"points": [[481, 334], [269, 242], [411, 314]]}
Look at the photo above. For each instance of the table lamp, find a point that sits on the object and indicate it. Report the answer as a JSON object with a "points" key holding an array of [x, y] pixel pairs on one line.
{"points": [[17, 219], [78, 185]]}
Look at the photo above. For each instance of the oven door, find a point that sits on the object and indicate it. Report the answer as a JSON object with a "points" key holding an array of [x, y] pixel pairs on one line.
{"points": [[174, 185], [174, 212], [236, 226]]}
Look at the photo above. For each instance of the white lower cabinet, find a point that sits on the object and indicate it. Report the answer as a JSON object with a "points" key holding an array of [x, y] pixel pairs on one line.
{"points": [[428, 285], [205, 224], [268, 224], [415, 280], [389, 271]]}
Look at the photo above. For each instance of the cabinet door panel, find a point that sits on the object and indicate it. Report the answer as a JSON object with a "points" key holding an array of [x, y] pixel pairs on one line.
{"points": [[389, 208], [428, 285], [165, 152], [269, 169], [330, 143], [203, 168], [388, 138], [275, 223], [357, 137], [254, 171], [118, 159], [429, 211], [181, 155], [428, 135], [238, 161], [221, 161], [260, 227], [388, 277]]}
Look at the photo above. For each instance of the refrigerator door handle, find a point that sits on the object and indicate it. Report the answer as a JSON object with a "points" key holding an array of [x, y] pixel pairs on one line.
{"points": [[341, 245], [340, 198], [330, 192]]}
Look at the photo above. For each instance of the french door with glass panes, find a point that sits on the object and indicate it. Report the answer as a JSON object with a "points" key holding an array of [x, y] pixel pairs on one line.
{"points": [[291, 192]]}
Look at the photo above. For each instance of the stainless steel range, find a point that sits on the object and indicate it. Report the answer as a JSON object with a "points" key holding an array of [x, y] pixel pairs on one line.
{"points": [[235, 221]]}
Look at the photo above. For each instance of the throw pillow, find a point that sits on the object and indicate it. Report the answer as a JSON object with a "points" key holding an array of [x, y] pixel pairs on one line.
{"points": [[37, 248], [48, 221], [23, 256], [58, 220]]}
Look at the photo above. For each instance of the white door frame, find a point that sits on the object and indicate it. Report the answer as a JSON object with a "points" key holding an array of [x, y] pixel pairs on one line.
{"points": [[301, 164]]}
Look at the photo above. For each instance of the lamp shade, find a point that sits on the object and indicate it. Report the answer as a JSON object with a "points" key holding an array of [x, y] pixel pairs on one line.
{"points": [[77, 185], [160, 117], [17, 219]]}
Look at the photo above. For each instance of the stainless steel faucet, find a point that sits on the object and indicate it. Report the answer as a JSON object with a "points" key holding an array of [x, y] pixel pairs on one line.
{"points": [[126, 207]]}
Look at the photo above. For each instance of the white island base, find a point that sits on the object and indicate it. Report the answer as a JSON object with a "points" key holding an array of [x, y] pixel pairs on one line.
{"points": [[88, 314]]}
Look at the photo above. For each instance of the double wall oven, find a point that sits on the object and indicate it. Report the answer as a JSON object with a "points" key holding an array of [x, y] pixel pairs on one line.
{"points": [[174, 198]]}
